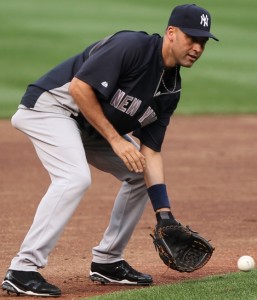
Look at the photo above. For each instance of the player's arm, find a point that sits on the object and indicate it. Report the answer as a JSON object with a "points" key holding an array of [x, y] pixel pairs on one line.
{"points": [[155, 179], [85, 97], [154, 172]]}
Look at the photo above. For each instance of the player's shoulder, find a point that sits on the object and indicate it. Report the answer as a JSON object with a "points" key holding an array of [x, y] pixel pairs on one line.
{"points": [[136, 38]]}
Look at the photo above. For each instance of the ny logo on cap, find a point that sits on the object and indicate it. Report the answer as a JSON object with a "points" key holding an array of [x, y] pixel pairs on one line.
{"points": [[204, 20]]}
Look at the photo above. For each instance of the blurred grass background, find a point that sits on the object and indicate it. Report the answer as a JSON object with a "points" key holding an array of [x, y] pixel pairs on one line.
{"points": [[37, 35]]}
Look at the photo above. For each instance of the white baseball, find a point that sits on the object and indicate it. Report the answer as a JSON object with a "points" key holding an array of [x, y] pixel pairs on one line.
{"points": [[245, 263]]}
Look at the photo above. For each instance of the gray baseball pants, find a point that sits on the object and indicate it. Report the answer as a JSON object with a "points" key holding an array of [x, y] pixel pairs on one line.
{"points": [[58, 144]]}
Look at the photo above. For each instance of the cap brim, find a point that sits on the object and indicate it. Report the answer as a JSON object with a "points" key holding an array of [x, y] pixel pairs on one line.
{"points": [[198, 33]]}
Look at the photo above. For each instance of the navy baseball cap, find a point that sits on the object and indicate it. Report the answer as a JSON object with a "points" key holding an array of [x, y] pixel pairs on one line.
{"points": [[192, 20]]}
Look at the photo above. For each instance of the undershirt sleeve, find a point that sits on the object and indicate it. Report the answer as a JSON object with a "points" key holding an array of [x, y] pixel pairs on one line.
{"points": [[153, 134]]}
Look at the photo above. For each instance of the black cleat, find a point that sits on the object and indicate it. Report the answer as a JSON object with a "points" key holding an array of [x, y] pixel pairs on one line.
{"points": [[119, 272], [28, 283]]}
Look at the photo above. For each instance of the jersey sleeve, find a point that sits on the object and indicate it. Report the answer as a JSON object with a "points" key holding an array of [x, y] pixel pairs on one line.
{"points": [[113, 58]]}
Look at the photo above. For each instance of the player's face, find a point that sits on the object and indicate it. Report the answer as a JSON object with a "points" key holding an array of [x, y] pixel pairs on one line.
{"points": [[184, 49]]}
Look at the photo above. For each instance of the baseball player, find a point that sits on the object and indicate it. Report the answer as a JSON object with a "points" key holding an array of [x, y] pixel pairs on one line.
{"points": [[81, 112]]}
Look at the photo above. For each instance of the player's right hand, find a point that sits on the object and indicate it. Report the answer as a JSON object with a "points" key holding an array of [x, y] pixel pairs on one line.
{"points": [[132, 158]]}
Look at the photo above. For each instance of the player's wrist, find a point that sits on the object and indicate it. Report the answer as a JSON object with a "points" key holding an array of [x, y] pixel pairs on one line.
{"points": [[114, 137], [159, 197], [162, 209]]}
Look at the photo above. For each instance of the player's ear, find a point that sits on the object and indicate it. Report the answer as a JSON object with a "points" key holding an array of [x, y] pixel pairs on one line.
{"points": [[170, 32]]}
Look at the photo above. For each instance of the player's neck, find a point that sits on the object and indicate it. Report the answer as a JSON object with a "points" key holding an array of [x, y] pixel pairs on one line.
{"points": [[167, 56]]}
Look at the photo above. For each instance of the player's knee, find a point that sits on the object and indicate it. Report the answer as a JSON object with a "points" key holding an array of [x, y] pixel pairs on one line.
{"points": [[16, 120], [135, 177], [80, 179]]}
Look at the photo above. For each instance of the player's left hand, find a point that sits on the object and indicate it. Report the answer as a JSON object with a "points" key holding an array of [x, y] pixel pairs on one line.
{"points": [[179, 247]]}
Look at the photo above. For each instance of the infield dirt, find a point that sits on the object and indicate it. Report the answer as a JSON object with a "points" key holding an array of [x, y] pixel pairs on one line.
{"points": [[211, 172]]}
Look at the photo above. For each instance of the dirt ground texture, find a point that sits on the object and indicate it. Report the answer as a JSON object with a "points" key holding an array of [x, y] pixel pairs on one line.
{"points": [[211, 172]]}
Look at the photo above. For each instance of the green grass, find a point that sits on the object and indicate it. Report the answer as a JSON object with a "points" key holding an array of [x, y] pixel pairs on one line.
{"points": [[36, 35], [237, 286]]}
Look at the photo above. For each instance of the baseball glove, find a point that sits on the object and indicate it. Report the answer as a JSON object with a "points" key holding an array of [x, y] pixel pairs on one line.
{"points": [[180, 248]]}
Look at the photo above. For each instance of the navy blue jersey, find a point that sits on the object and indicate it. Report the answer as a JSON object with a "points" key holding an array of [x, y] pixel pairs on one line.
{"points": [[127, 74]]}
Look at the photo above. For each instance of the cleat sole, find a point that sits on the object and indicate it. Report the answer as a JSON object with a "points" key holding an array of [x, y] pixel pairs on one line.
{"points": [[11, 288], [96, 277]]}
